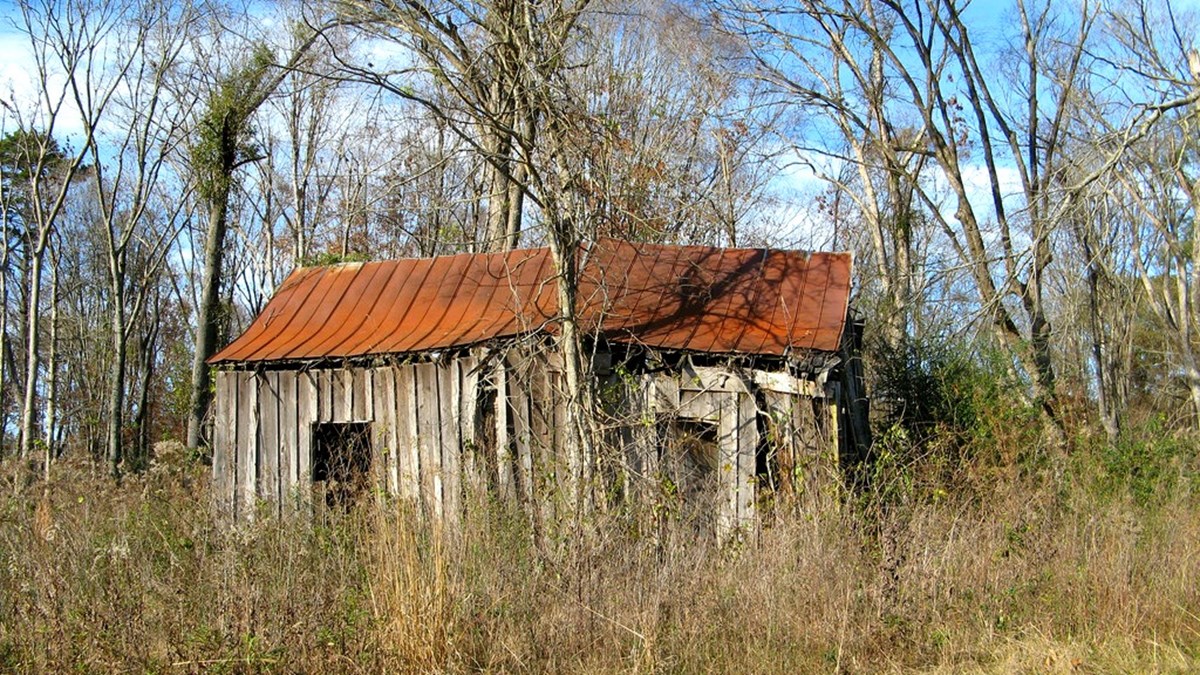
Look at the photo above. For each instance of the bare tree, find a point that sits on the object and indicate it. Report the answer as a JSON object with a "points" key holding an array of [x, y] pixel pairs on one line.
{"points": [[78, 66], [1143, 158], [149, 126], [909, 84], [479, 60], [680, 149], [220, 147], [503, 68]]}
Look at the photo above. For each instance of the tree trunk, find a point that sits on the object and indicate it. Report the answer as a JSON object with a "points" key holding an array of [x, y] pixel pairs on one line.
{"points": [[1191, 373], [146, 350], [52, 375], [578, 448], [207, 317], [5, 349], [1106, 404], [498, 192], [32, 346], [116, 392]]}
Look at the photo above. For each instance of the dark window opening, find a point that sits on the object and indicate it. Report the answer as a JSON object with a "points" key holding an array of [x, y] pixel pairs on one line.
{"points": [[774, 458], [341, 463], [690, 453]]}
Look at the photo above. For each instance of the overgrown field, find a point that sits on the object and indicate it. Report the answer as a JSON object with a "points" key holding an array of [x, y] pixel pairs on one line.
{"points": [[1082, 561]]}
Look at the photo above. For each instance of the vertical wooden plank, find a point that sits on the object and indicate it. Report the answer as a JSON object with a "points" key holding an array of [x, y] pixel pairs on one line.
{"points": [[323, 395], [429, 437], [235, 445], [218, 444], [383, 426], [362, 410], [386, 389], [408, 434], [808, 442], [330, 397], [727, 464], [334, 397], [833, 400], [815, 459], [243, 447], [254, 491], [522, 441], [361, 406], [247, 443], [369, 391], [450, 396], [541, 419], [348, 379], [381, 448], [473, 466], [342, 394], [643, 446], [632, 410], [240, 447], [225, 445], [288, 448], [505, 485], [782, 437], [268, 452], [308, 392]]}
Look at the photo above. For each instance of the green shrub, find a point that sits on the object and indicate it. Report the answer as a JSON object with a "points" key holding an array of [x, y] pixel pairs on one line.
{"points": [[946, 410]]}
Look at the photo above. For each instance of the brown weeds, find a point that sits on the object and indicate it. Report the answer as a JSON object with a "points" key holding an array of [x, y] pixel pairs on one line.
{"points": [[1036, 573]]}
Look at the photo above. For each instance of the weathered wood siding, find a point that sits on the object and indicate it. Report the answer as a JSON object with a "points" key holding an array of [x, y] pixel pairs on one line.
{"points": [[421, 418], [427, 445]]}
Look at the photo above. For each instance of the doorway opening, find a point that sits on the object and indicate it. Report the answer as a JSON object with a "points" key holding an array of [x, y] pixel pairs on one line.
{"points": [[341, 463]]}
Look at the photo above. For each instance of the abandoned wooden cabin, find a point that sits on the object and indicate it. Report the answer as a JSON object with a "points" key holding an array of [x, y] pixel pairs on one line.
{"points": [[721, 375]]}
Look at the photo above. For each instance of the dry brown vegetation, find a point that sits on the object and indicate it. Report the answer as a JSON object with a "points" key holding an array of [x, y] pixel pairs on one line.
{"points": [[1085, 563]]}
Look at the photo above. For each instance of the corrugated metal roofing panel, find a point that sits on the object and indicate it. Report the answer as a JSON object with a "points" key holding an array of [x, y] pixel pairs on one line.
{"points": [[707, 299], [693, 298]]}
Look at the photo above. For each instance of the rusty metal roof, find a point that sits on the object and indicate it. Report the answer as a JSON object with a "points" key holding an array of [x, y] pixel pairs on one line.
{"points": [[691, 298]]}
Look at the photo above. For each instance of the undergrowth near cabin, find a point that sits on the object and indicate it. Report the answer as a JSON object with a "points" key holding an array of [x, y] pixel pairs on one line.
{"points": [[966, 547]]}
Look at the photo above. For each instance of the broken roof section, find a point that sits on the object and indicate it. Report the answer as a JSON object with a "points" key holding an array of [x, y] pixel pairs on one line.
{"points": [[687, 298]]}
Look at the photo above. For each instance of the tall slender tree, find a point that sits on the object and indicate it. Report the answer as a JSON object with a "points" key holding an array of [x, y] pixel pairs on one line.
{"points": [[222, 144]]}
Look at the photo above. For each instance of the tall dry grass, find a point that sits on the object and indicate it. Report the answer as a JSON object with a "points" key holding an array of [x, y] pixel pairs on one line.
{"points": [[1078, 565]]}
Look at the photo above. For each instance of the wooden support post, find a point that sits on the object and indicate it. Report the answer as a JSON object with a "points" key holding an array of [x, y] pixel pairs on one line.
{"points": [[383, 426], [747, 452]]}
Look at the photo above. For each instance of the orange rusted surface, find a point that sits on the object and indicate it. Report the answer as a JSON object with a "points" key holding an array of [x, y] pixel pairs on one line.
{"points": [[691, 298], [719, 300]]}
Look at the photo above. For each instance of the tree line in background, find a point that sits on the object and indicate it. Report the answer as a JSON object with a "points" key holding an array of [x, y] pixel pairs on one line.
{"points": [[1019, 186]]}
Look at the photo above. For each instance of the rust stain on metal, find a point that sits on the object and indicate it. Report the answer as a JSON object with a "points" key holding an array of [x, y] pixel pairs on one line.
{"points": [[691, 298]]}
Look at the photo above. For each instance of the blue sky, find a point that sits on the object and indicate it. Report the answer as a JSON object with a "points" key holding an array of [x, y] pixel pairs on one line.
{"points": [[17, 87]]}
